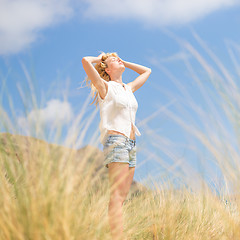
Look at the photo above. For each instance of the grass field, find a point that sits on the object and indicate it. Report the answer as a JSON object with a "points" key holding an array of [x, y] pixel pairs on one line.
{"points": [[47, 193]]}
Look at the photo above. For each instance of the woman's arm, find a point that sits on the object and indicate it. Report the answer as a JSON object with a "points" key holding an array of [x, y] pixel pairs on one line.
{"points": [[92, 73], [136, 67], [93, 59], [140, 80]]}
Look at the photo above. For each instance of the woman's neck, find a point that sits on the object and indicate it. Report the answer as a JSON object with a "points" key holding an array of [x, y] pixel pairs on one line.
{"points": [[117, 78]]}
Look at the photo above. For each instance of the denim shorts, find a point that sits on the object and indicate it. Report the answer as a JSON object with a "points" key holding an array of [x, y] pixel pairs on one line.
{"points": [[119, 148]]}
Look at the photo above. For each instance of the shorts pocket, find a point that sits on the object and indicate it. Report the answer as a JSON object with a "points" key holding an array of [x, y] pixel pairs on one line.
{"points": [[135, 148], [113, 143]]}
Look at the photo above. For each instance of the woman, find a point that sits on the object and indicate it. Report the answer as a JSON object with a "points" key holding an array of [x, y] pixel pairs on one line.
{"points": [[118, 108]]}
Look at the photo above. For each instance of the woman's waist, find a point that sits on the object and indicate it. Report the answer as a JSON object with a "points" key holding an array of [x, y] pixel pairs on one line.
{"points": [[113, 132]]}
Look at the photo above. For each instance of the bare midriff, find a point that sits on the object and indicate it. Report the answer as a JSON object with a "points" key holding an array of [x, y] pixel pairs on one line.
{"points": [[132, 134]]}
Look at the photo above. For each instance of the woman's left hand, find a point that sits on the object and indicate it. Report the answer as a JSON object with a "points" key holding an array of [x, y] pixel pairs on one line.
{"points": [[122, 60]]}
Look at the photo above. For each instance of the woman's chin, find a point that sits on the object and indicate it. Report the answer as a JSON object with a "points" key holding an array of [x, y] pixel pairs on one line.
{"points": [[122, 68]]}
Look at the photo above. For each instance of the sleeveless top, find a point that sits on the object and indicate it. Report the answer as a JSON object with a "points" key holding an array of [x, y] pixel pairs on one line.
{"points": [[117, 110]]}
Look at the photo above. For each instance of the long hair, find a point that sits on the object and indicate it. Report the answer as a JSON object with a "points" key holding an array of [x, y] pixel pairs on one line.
{"points": [[100, 67]]}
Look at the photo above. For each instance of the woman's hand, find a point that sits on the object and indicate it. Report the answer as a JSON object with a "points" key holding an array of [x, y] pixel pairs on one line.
{"points": [[100, 56], [122, 61]]}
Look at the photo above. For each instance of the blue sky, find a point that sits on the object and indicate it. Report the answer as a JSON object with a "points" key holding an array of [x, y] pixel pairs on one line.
{"points": [[47, 40]]}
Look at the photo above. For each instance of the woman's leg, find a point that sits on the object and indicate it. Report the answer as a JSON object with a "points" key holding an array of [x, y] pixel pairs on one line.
{"points": [[129, 181], [118, 175], [132, 164]]}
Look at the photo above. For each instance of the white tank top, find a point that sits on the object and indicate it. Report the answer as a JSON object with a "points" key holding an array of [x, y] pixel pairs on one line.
{"points": [[117, 110]]}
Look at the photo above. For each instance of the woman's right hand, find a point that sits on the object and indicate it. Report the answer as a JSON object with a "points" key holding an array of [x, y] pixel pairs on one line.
{"points": [[100, 56]]}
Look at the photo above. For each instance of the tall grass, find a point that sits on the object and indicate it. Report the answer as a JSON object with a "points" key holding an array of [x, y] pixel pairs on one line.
{"points": [[58, 192]]}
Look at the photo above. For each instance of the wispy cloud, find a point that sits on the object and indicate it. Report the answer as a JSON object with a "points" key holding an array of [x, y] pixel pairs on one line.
{"points": [[56, 112], [21, 20], [179, 56], [155, 12]]}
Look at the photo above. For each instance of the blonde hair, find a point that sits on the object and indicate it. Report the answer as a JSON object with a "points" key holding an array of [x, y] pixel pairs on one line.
{"points": [[100, 67]]}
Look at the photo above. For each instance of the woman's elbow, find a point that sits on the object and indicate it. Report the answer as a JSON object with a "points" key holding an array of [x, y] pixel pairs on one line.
{"points": [[149, 70], [84, 59]]}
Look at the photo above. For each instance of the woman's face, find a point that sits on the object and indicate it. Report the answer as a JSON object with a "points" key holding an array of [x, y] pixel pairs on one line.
{"points": [[114, 64]]}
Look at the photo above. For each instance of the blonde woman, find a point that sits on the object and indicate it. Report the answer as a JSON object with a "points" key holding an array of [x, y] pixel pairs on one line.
{"points": [[118, 108]]}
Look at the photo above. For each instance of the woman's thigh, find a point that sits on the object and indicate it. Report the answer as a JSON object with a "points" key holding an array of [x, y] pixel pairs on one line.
{"points": [[118, 177]]}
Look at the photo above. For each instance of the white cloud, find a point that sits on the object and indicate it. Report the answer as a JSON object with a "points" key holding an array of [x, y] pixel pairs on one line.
{"points": [[21, 20], [155, 12], [179, 56], [56, 112]]}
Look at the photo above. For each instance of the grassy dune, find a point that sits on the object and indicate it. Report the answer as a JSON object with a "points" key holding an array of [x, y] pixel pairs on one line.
{"points": [[52, 192]]}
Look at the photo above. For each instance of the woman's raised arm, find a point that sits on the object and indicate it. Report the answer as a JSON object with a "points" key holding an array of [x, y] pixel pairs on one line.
{"points": [[136, 67], [140, 80], [92, 73]]}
